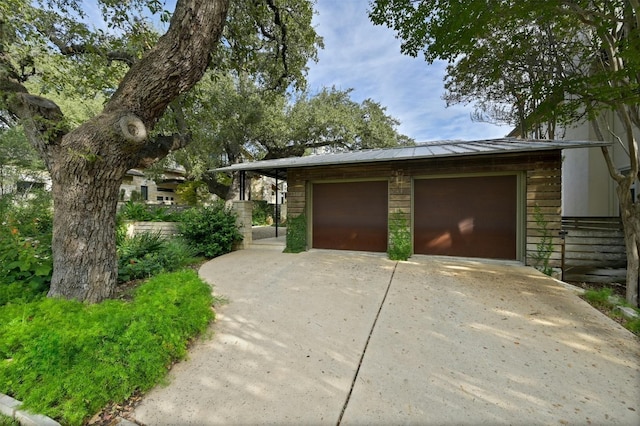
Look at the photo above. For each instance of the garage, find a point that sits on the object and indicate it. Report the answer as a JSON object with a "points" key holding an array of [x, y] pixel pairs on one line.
{"points": [[350, 215], [473, 216], [458, 198]]}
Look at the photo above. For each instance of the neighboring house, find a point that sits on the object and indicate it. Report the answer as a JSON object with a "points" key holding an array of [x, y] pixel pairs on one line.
{"points": [[268, 189], [595, 249], [135, 185], [161, 190], [587, 188], [271, 190], [17, 180], [459, 198]]}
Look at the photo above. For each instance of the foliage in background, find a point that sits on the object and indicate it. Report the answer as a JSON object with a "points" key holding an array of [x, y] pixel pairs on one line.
{"points": [[296, 234], [400, 245], [17, 158], [139, 211], [193, 193], [262, 211], [235, 119], [68, 360], [210, 230], [544, 247], [25, 245], [146, 254]]}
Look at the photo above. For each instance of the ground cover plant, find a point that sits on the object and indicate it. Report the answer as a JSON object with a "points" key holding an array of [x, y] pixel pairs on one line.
{"points": [[8, 421], [67, 360], [605, 300]]}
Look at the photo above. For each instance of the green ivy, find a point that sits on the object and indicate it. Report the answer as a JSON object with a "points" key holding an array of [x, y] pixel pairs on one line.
{"points": [[399, 237], [296, 234]]}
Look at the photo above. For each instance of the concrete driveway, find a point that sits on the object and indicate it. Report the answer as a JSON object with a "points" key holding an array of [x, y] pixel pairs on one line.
{"points": [[327, 337]]}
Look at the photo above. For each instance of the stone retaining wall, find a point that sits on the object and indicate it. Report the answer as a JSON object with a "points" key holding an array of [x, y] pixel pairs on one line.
{"points": [[166, 229]]}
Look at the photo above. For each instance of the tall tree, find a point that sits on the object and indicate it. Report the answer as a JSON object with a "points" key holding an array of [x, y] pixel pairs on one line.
{"points": [[142, 75], [242, 121], [539, 65]]}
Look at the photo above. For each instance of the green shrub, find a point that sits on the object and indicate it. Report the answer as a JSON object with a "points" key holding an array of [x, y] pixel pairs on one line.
{"points": [[25, 267], [25, 246], [193, 193], [296, 234], [261, 212], [32, 215], [68, 360], [147, 254], [141, 212], [210, 230], [400, 247]]}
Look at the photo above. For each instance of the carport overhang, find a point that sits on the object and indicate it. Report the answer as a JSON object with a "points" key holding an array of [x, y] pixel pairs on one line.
{"points": [[278, 168]]}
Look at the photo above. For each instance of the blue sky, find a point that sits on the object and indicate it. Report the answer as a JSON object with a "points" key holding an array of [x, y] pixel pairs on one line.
{"points": [[367, 58]]}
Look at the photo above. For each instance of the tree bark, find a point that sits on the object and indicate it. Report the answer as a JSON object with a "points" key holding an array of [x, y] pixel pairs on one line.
{"points": [[83, 244], [629, 210], [88, 164], [630, 215]]}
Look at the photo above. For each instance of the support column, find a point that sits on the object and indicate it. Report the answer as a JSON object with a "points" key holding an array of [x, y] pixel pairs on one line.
{"points": [[244, 212]]}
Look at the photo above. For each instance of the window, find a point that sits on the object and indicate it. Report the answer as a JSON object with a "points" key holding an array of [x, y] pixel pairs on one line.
{"points": [[144, 190]]}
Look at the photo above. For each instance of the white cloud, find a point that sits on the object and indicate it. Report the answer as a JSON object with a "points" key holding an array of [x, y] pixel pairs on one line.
{"points": [[367, 58]]}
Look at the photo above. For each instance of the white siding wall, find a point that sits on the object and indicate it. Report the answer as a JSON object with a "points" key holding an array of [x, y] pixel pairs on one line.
{"points": [[587, 188]]}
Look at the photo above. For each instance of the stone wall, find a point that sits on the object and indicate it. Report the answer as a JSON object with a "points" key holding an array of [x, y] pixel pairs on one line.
{"points": [[244, 212], [166, 229]]}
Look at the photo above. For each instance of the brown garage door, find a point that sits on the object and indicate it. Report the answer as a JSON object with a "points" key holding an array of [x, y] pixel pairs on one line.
{"points": [[466, 216], [350, 216]]}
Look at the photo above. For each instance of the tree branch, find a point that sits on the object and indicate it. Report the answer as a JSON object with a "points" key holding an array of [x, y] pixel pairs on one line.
{"points": [[81, 49], [215, 187], [282, 48], [175, 64], [41, 118]]}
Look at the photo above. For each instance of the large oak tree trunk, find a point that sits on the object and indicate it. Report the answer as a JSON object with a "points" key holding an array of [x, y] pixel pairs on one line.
{"points": [[84, 247], [88, 164], [86, 174]]}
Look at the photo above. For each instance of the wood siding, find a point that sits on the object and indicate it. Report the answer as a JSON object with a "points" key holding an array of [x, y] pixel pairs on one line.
{"points": [[541, 172], [594, 250]]}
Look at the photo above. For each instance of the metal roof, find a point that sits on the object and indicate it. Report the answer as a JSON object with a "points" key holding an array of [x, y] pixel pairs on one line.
{"points": [[278, 167]]}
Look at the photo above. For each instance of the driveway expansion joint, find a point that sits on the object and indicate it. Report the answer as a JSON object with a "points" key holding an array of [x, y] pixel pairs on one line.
{"points": [[364, 350]]}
